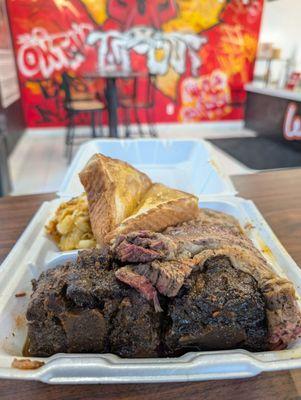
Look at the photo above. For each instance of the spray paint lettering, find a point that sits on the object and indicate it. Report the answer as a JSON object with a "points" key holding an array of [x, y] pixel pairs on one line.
{"points": [[205, 97], [162, 49], [43, 53], [292, 123]]}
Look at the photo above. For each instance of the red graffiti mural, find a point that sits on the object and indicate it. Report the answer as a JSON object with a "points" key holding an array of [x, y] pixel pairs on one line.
{"points": [[129, 13], [201, 52]]}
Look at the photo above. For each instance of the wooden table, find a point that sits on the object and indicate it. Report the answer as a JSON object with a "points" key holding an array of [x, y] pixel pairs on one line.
{"points": [[278, 196]]}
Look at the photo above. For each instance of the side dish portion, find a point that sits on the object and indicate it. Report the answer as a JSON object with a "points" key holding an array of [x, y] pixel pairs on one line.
{"points": [[70, 228]]}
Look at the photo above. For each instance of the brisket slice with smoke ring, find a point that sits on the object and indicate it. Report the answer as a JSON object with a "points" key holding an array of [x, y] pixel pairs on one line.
{"points": [[215, 234], [140, 283], [167, 277], [143, 246], [179, 242]]}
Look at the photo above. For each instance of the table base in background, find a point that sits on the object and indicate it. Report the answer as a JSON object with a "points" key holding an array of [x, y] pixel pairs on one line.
{"points": [[112, 101]]}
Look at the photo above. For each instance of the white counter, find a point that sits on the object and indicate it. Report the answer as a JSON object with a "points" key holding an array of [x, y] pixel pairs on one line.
{"points": [[281, 93]]}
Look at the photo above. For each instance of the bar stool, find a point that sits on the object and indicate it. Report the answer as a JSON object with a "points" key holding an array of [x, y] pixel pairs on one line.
{"points": [[130, 98], [75, 105]]}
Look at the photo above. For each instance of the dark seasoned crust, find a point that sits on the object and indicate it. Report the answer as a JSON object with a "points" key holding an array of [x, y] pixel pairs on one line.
{"points": [[214, 234], [86, 309], [211, 288], [98, 258], [79, 310], [221, 308], [135, 328]]}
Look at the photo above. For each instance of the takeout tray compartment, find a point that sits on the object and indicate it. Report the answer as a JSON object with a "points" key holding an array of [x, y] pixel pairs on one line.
{"points": [[34, 252], [165, 161]]}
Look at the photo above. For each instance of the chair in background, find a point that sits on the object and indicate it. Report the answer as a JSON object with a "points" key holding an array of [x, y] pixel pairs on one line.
{"points": [[78, 100], [137, 94]]}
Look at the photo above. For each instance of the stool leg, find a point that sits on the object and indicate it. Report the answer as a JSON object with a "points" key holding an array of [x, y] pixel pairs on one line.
{"points": [[68, 132], [152, 130], [68, 127], [140, 130], [100, 124], [127, 123], [71, 139], [93, 124]]}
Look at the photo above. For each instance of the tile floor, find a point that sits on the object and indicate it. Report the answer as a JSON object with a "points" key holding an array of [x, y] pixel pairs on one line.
{"points": [[38, 164]]}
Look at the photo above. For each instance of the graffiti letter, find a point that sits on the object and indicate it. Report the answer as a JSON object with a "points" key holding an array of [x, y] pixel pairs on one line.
{"points": [[43, 53], [292, 123]]}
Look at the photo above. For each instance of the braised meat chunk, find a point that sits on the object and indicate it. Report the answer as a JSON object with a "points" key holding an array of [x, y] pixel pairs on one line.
{"points": [[61, 307], [221, 308], [135, 328], [82, 308]]}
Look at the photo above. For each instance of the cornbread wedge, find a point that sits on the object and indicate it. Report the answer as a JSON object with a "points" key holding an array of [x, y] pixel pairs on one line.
{"points": [[123, 199], [114, 190], [161, 207]]}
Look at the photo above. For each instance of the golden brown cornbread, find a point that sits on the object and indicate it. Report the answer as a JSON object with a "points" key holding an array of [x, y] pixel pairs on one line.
{"points": [[161, 207], [114, 190], [122, 199]]}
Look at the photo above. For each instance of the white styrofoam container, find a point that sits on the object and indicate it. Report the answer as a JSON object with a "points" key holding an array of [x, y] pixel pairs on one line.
{"points": [[34, 252], [166, 161]]}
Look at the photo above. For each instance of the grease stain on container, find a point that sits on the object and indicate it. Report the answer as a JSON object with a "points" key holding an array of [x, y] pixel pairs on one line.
{"points": [[216, 166], [20, 321], [20, 294], [26, 363], [249, 226]]}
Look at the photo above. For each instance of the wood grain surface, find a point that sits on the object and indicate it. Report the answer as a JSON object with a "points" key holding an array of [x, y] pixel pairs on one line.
{"points": [[278, 196]]}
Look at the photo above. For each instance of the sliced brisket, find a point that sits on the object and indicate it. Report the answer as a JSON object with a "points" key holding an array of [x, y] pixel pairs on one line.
{"points": [[168, 277], [140, 283], [143, 246], [214, 234], [215, 288]]}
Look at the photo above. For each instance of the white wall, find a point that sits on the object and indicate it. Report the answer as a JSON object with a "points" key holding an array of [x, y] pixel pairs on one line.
{"points": [[281, 24]]}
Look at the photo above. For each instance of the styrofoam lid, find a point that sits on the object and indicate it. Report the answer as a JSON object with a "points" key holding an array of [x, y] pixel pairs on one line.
{"points": [[181, 164]]}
